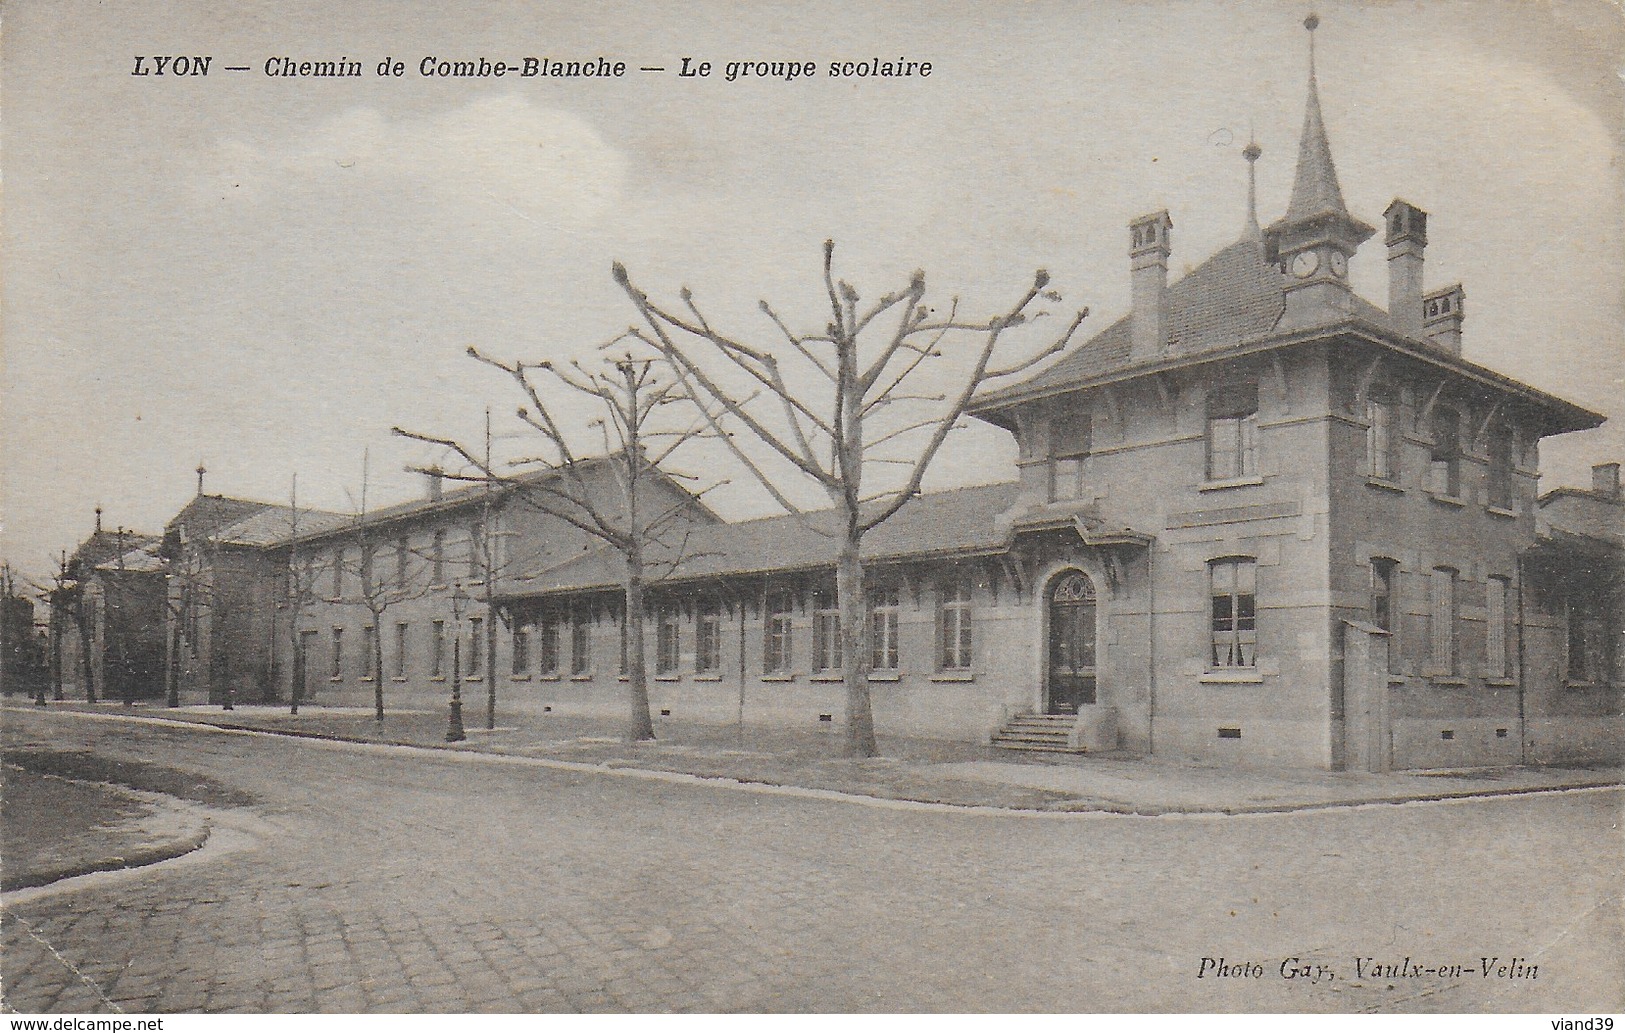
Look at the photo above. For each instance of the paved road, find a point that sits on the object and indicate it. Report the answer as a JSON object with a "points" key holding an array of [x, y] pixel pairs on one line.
{"points": [[391, 883]]}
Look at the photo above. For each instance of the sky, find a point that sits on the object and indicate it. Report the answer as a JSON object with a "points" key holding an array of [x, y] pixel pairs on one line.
{"points": [[266, 274]]}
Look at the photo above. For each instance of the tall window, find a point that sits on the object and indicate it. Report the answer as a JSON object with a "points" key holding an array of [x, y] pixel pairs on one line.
{"points": [[521, 650], [1383, 598], [369, 643], [826, 632], [708, 640], [338, 653], [883, 610], [437, 558], [1444, 470], [338, 573], [1496, 639], [437, 650], [1234, 591], [1380, 408], [400, 650], [1069, 445], [1232, 432], [403, 549], [476, 546], [668, 640], [1587, 639], [1442, 610], [779, 643], [1500, 473], [955, 622], [367, 582], [547, 661], [580, 645], [476, 650]]}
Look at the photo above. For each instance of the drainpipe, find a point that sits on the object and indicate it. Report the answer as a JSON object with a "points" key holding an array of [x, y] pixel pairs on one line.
{"points": [[1523, 673], [1150, 649]]}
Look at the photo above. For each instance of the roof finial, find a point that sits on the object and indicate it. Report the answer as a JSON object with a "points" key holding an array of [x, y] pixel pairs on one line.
{"points": [[1312, 23], [98, 520], [201, 470], [1251, 152]]}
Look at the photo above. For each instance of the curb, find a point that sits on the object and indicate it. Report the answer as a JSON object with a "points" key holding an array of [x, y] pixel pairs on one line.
{"points": [[139, 858], [1062, 809]]}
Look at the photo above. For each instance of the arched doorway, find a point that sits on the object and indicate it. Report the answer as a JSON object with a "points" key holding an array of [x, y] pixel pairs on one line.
{"points": [[1070, 679]]}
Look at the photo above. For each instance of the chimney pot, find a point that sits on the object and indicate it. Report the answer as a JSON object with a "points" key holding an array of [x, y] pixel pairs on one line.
{"points": [[1605, 479], [1150, 244], [1442, 313], [1407, 238], [434, 483]]}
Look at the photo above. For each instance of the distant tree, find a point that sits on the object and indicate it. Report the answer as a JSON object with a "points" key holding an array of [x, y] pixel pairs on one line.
{"points": [[835, 403], [622, 509]]}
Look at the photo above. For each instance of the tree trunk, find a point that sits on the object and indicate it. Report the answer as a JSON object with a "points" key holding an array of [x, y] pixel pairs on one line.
{"points": [[490, 655], [849, 591], [378, 665], [84, 652], [640, 727]]}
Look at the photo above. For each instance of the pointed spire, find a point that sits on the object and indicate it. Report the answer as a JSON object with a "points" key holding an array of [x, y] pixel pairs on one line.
{"points": [[1315, 191], [1251, 152]]}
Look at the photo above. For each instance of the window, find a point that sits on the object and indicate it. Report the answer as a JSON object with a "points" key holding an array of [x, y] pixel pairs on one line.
{"points": [[402, 550], [547, 662], [826, 632], [955, 637], [1500, 473], [883, 610], [400, 650], [777, 650], [367, 583], [1442, 611], [521, 650], [369, 648], [338, 653], [338, 574], [1587, 639], [437, 650], [437, 558], [1069, 445], [668, 641], [1232, 432], [580, 646], [476, 544], [476, 652], [1234, 591], [1380, 452], [708, 640], [1383, 573], [1444, 470], [1495, 628]]}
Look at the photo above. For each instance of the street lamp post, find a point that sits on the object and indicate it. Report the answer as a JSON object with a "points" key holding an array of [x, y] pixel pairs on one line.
{"points": [[454, 729]]}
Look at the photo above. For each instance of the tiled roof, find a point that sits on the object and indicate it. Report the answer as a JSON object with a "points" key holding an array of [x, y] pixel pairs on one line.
{"points": [[1232, 297], [964, 520], [275, 524], [1315, 191], [205, 513], [107, 545]]}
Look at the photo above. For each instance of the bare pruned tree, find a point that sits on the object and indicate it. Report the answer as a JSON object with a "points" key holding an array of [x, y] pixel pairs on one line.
{"points": [[836, 403], [614, 497]]}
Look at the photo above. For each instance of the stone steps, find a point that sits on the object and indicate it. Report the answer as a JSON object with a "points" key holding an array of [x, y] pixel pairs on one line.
{"points": [[1041, 733]]}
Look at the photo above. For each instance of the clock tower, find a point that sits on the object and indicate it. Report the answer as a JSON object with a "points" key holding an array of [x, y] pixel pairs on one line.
{"points": [[1314, 241]]}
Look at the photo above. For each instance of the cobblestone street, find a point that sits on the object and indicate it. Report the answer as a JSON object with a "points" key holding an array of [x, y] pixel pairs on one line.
{"points": [[381, 881]]}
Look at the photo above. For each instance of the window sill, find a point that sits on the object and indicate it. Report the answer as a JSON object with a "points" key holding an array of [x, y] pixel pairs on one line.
{"points": [[519, 677], [547, 677], [1384, 484], [954, 676], [438, 678], [1501, 683], [1250, 676], [366, 679], [778, 677], [668, 677], [827, 678], [581, 677], [884, 676], [1447, 680], [400, 679], [473, 677], [336, 679], [1230, 482], [708, 677], [1448, 500], [1585, 685], [1508, 514]]}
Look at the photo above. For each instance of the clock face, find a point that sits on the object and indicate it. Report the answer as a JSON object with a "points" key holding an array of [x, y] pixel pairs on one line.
{"points": [[1305, 264], [1339, 264]]}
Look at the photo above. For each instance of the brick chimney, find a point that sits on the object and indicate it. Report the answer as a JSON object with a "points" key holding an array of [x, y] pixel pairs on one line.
{"points": [[1407, 237], [1442, 312], [1605, 480], [1149, 247], [434, 483]]}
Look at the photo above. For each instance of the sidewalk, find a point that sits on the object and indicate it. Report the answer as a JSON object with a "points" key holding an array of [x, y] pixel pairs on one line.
{"points": [[960, 774]]}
